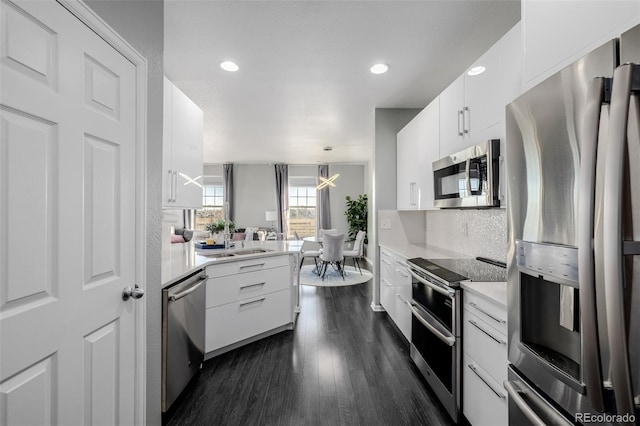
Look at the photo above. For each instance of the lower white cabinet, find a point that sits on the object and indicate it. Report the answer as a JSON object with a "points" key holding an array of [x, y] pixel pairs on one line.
{"points": [[395, 289], [246, 298], [484, 367]]}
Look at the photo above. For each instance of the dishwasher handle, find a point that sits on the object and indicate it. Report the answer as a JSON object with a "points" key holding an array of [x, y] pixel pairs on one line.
{"points": [[188, 291]]}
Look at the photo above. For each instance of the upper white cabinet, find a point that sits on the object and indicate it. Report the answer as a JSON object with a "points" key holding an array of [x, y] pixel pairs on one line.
{"points": [[417, 148], [556, 33], [472, 107], [182, 160]]}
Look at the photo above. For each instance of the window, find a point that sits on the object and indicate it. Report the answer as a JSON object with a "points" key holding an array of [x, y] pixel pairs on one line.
{"points": [[212, 202], [302, 206]]}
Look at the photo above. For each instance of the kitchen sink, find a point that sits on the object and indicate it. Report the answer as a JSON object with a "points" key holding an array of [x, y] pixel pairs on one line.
{"points": [[250, 251]]}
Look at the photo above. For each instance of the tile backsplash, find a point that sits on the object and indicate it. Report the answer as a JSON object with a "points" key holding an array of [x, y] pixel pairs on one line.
{"points": [[468, 233]]}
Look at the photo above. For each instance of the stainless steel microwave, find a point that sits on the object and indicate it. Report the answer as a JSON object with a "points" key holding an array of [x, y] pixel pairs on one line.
{"points": [[469, 178]]}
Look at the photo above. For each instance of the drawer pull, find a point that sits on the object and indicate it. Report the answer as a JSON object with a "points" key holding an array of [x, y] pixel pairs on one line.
{"points": [[252, 266], [501, 321], [253, 302], [252, 285], [498, 394], [475, 324]]}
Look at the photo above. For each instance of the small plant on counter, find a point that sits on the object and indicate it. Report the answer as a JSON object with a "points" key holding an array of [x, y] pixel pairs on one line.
{"points": [[218, 226], [356, 213]]}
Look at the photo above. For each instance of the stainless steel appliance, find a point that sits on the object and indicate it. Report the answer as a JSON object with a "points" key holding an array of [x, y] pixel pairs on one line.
{"points": [[574, 233], [436, 327], [468, 178], [183, 316]]}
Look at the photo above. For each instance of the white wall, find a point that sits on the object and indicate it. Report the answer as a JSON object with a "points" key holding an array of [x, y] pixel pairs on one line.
{"points": [[141, 23], [254, 189], [350, 182]]}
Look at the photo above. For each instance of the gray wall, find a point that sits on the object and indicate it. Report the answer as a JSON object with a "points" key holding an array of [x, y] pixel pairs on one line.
{"points": [[141, 23], [351, 182], [388, 121], [254, 190]]}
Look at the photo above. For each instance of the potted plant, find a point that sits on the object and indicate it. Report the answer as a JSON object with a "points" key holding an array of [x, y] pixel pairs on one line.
{"points": [[357, 211], [217, 229]]}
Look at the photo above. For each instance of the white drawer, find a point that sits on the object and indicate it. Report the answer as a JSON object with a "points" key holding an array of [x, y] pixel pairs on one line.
{"points": [[402, 311], [485, 345], [493, 314], [388, 297], [484, 401], [230, 288], [246, 318], [247, 265]]}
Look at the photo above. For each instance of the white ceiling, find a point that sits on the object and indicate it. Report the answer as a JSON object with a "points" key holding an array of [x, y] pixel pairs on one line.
{"points": [[304, 80]]}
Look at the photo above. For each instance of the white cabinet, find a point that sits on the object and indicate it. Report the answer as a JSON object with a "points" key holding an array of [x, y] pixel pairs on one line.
{"points": [[556, 33], [182, 160], [395, 289], [417, 148], [247, 298], [472, 107], [484, 361]]}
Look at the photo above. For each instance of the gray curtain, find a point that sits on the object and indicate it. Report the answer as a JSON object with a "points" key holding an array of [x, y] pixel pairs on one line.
{"points": [[227, 182], [282, 197], [324, 207]]}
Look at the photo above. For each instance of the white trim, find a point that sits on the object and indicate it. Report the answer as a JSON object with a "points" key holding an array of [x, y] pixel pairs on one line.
{"points": [[85, 14]]}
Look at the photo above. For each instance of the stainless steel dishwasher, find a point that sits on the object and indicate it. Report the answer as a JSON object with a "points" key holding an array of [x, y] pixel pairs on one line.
{"points": [[183, 308]]}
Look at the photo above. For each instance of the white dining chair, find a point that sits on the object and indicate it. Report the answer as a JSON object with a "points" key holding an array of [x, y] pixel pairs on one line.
{"points": [[322, 232], [357, 250], [332, 253]]}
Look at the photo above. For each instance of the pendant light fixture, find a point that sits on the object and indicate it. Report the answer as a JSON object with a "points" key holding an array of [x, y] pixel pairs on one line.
{"points": [[327, 182]]}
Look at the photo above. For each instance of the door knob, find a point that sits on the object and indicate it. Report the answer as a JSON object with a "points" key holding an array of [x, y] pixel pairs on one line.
{"points": [[136, 292]]}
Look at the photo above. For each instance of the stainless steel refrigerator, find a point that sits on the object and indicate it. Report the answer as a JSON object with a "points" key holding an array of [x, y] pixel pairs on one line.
{"points": [[573, 181]]}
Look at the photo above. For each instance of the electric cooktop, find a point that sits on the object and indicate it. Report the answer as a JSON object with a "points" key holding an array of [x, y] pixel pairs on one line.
{"points": [[455, 270]]}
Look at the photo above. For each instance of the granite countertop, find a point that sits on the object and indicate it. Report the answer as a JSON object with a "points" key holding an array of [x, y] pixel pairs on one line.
{"points": [[184, 259], [494, 291]]}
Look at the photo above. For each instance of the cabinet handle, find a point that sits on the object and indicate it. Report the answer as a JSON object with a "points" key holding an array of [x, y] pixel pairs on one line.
{"points": [[387, 283], [460, 128], [501, 321], [253, 302], [401, 273], [251, 266], [465, 113], [170, 186], [251, 285], [498, 394], [475, 324], [175, 186]]}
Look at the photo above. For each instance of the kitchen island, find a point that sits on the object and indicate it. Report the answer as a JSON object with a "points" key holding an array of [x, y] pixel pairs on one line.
{"points": [[251, 289]]}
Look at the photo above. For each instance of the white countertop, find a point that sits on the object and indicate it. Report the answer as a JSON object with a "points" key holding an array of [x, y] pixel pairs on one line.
{"points": [[420, 250], [185, 259], [494, 291]]}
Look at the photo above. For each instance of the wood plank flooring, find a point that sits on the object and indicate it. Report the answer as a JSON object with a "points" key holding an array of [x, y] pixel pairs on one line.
{"points": [[342, 365]]}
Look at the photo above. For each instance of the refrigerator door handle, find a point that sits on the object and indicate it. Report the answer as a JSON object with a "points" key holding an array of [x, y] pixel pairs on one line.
{"points": [[586, 268], [520, 396], [623, 78]]}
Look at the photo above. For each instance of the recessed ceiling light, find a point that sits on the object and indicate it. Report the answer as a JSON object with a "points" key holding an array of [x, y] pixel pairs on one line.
{"points": [[229, 66], [379, 68], [476, 70], [328, 148]]}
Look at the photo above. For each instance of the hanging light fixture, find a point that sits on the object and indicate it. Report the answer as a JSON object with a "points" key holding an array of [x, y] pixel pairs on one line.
{"points": [[327, 182]]}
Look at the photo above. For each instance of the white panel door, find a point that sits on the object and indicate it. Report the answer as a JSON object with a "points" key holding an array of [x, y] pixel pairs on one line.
{"points": [[67, 215]]}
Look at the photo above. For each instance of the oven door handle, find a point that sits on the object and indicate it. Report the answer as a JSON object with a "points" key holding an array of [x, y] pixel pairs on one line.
{"points": [[433, 286], [420, 316]]}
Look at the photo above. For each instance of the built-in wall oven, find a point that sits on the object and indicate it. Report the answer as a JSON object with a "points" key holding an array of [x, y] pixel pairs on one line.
{"points": [[436, 328], [468, 178]]}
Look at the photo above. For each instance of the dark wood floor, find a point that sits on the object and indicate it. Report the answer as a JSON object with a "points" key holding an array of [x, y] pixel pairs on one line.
{"points": [[343, 364]]}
